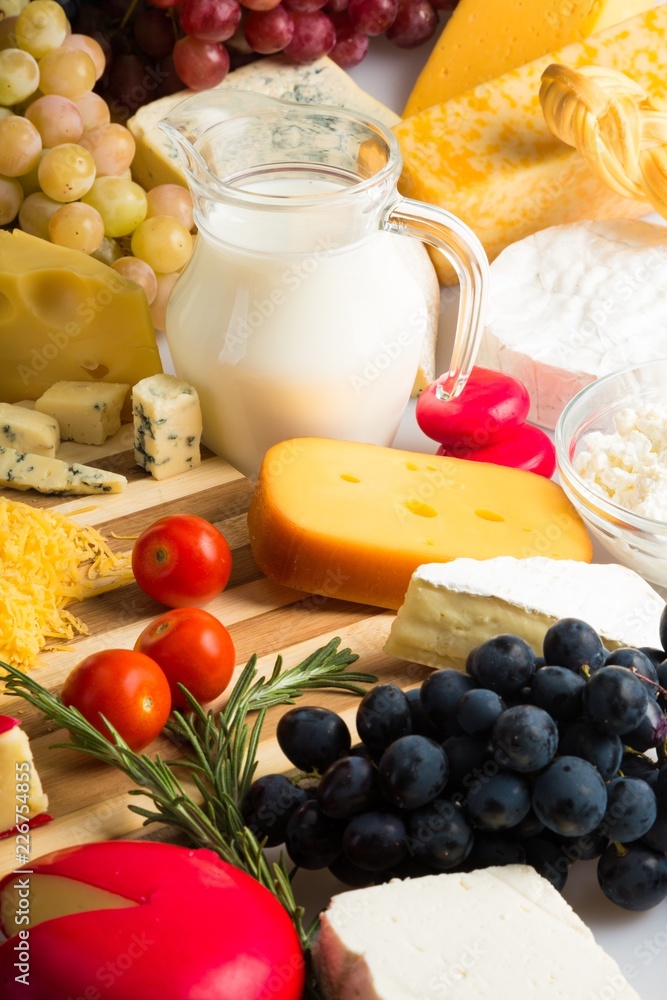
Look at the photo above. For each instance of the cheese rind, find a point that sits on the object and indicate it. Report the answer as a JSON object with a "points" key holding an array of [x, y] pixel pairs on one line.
{"points": [[22, 471], [28, 430], [167, 426], [483, 40], [354, 521], [450, 608], [17, 769], [87, 412], [495, 934], [488, 156]]}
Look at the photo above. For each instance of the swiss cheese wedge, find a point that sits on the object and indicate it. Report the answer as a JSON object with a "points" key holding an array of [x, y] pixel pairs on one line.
{"points": [[486, 38], [489, 157], [353, 521]]}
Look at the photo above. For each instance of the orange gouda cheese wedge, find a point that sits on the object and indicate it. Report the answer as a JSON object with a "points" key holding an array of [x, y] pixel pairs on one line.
{"points": [[353, 521]]}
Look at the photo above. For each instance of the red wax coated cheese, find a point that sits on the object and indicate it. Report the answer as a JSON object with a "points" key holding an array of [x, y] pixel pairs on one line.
{"points": [[527, 448], [491, 406]]}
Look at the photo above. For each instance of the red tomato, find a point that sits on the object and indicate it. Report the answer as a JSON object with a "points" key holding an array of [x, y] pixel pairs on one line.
{"points": [[182, 561], [194, 649], [127, 688]]}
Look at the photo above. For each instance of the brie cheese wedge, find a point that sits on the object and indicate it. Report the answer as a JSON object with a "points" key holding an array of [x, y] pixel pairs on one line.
{"points": [[452, 607]]}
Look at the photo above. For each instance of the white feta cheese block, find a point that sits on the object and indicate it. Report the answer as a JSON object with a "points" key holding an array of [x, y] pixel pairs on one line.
{"points": [[28, 430], [87, 412], [17, 768], [571, 303], [167, 426], [496, 934], [23, 471], [450, 608]]}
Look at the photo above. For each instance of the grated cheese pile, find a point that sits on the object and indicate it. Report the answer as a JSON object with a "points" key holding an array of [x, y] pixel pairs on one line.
{"points": [[47, 561]]}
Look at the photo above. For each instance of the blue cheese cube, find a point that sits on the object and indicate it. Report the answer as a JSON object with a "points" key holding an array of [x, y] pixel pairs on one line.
{"points": [[87, 412], [28, 430], [23, 471], [167, 426]]}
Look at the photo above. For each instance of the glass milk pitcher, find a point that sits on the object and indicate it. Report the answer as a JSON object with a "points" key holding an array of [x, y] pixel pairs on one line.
{"points": [[299, 313]]}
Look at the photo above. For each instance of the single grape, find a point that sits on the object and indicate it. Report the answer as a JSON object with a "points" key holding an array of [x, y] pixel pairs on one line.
{"points": [[440, 696], [478, 710], [651, 731], [375, 840], [529, 826], [633, 876], [350, 48], [121, 203], [20, 146], [154, 32], [636, 765], [348, 787], [259, 4], [57, 119], [210, 20], [525, 738], [77, 226], [383, 716], [581, 739], [559, 692], [546, 857], [631, 809], [268, 31], [172, 200], [66, 172], [35, 213], [129, 84], [94, 110], [570, 797], [165, 284], [638, 663], [615, 700], [663, 629], [414, 24], [662, 681], [314, 36], [312, 839], [656, 656], [466, 756], [92, 48], [140, 272], [439, 835], [19, 76], [199, 64], [361, 750], [112, 148], [11, 199], [68, 72], [489, 850], [41, 27], [312, 738], [421, 724], [336, 6], [498, 802], [372, 17], [504, 664], [413, 771], [656, 837], [268, 805], [304, 6], [572, 643]]}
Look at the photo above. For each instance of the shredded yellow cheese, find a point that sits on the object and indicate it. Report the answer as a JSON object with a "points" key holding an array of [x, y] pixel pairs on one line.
{"points": [[47, 561]]}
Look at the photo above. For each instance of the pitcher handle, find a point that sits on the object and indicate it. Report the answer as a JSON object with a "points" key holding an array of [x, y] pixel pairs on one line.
{"points": [[443, 231]]}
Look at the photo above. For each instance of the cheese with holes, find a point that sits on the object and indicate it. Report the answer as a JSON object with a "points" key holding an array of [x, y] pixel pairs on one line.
{"points": [[28, 430], [489, 157], [167, 426], [450, 608], [486, 38], [23, 471], [65, 315], [495, 934], [572, 303], [22, 798], [354, 521]]}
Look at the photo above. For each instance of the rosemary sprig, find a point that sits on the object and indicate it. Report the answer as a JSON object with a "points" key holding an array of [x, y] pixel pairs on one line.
{"points": [[220, 759]]}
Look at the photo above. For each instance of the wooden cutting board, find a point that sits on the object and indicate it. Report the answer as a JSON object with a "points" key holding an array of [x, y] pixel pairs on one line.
{"points": [[88, 800]]}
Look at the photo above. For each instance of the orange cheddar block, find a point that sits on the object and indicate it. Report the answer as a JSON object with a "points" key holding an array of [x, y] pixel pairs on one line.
{"points": [[354, 521]]}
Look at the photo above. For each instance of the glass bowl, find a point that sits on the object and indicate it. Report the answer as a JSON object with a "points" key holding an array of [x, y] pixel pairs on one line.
{"points": [[632, 539]]}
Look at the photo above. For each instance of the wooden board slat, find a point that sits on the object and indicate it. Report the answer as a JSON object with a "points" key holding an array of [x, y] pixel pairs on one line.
{"points": [[88, 800]]}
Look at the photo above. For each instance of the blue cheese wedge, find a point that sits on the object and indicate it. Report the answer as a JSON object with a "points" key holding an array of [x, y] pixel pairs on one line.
{"points": [[167, 426], [23, 471], [27, 430], [496, 934], [87, 412]]}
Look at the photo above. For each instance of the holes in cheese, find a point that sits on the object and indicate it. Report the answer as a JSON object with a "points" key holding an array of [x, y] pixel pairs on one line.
{"points": [[310, 531], [489, 515], [52, 896], [349, 479], [55, 297]]}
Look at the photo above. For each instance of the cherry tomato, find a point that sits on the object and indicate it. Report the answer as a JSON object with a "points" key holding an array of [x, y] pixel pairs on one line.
{"points": [[194, 649], [527, 448], [492, 406], [182, 561], [127, 688]]}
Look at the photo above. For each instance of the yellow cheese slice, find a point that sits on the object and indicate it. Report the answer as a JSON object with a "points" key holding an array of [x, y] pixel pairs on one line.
{"points": [[489, 157], [65, 315], [486, 38], [353, 521]]}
